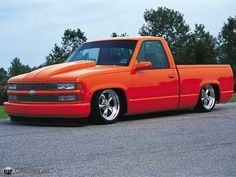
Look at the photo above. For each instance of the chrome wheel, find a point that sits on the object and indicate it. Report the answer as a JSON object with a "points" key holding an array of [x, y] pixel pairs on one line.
{"points": [[208, 97], [109, 104]]}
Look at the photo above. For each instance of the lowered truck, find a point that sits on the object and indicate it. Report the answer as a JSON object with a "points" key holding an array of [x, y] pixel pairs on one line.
{"points": [[105, 79]]}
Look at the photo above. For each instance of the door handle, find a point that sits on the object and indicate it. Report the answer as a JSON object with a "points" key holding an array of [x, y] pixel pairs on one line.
{"points": [[171, 76]]}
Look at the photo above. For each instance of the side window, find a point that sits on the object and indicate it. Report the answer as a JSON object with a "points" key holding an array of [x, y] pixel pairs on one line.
{"points": [[153, 51]]}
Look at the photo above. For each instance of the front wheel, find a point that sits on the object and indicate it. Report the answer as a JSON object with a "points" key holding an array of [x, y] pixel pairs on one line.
{"points": [[207, 99], [106, 107]]}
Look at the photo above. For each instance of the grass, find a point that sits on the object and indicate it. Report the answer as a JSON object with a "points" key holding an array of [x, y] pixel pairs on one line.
{"points": [[2, 113], [234, 98]]}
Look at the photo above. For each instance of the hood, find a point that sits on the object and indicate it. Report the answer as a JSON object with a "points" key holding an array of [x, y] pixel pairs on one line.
{"points": [[64, 72]]}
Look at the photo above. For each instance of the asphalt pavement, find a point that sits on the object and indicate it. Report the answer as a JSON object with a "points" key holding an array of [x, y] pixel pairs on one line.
{"points": [[181, 143]]}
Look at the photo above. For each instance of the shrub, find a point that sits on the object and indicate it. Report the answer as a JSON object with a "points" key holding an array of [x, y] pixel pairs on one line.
{"points": [[3, 94]]}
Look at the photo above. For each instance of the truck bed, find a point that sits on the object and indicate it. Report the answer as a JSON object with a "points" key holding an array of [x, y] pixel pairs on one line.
{"points": [[191, 77]]}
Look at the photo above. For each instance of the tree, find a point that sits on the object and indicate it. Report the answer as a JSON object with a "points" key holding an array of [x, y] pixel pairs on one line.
{"points": [[121, 35], [205, 45], [3, 90], [3, 75], [227, 44], [58, 55], [201, 47], [17, 68], [3, 94], [169, 24], [71, 40]]}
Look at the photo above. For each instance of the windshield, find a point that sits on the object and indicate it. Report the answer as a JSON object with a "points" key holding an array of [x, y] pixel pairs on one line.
{"points": [[113, 52]]}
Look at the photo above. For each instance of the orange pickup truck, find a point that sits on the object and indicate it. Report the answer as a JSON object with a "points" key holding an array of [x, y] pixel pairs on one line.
{"points": [[106, 79]]}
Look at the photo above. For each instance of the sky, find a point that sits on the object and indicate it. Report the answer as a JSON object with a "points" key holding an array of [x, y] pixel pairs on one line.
{"points": [[29, 28]]}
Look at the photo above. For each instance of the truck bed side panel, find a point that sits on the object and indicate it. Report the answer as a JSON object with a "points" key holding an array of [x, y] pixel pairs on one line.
{"points": [[193, 78]]}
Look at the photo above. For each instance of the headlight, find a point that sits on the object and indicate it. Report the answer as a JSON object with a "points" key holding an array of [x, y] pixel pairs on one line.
{"points": [[11, 86], [66, 86]]}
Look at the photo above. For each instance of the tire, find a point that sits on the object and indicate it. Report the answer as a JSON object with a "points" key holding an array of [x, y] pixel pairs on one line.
{"points": [[14, 119], [106, 107], [207, 99]]}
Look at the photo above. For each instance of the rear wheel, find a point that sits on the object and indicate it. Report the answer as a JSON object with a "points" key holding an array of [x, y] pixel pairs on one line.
{"points": [[207, 99], [106, 107]]}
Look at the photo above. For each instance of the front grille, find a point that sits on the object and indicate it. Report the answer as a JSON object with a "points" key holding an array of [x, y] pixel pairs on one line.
{"points": [[33, 95], [36, 86], [35, 98]]}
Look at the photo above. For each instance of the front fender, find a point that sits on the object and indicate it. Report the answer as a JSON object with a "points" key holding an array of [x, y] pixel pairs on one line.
{"points": [[106, 81]]}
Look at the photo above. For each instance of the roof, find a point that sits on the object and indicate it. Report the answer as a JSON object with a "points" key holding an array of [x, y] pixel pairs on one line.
{"points": [[128, 38]]}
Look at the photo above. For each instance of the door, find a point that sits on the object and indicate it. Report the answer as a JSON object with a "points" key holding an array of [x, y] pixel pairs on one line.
{"points": [[157, 88]]}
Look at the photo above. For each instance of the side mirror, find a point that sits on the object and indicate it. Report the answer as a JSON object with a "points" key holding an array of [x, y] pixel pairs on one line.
{"points": [[143, 65]]}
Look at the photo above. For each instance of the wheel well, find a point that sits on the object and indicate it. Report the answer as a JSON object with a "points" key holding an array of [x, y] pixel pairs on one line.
{"points": [[120, 92], [217, 91]]}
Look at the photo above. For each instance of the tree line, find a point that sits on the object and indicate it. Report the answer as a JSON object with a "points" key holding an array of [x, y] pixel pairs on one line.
{"points": [[195, 46]]}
